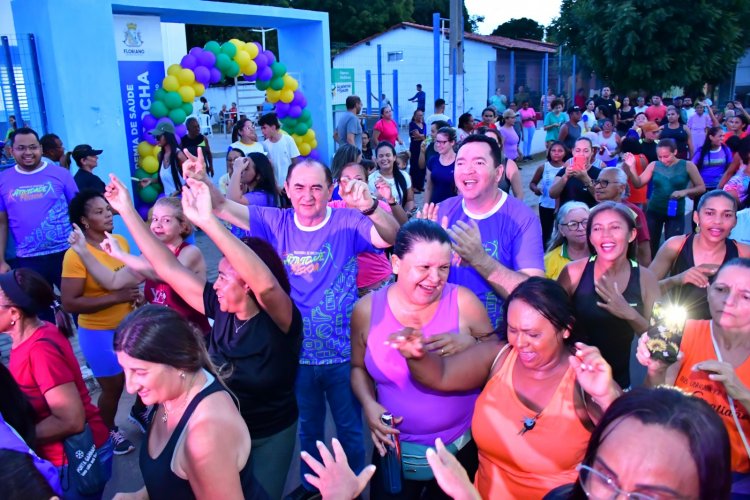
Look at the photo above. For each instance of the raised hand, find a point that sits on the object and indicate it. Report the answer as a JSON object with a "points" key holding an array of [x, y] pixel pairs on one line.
{"points": [[450, 474], [77, 240], [195, 166], [196, 202], [117, 194], [334, 478], [698, 275], [593, 373], [385, 192], [467, 242], [355, 193], [111, 246], [430, 212]]}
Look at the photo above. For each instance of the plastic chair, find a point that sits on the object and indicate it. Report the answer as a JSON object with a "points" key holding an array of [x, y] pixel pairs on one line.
{"points": [[205, 123]]}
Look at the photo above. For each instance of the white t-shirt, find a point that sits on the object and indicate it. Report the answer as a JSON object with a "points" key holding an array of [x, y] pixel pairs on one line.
{"points": [[640, 109], [741, 232], [281, 153], [255, 148], [391, 182], [435, 117]]}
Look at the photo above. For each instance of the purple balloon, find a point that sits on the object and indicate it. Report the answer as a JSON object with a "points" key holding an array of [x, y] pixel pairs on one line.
{"points": [[215, 75], [314, 155], [202, 75], [206, 58], [250, 78], [180, 130], [148, 122], [270, 57], [143, 211], [165, 119], [265, 73], [299, 99], [261, 61], [149, 138], [260, 47], [282, 109], [196, 51], [294, 111], [189, 61]]}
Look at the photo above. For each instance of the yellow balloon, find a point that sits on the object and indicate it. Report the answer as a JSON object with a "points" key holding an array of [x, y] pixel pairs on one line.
{"points": [[252, 50], [170, 83], [150, 164], [286, 96], [237, 43], [144, 149], [309, 135], [304, 149], [313, 144], [186, 76], [297, 139], [199, 89], [173, 69], [242, 58], [156, 151], [272, 95], [290, 83], [187, 92], [250, 68]]}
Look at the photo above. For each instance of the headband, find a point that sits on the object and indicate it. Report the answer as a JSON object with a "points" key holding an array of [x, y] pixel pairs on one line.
{"points": [[15, 293]]}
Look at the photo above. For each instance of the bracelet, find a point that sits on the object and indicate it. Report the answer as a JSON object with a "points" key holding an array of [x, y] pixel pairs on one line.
{"points": [[393, 203], [372, 209]]}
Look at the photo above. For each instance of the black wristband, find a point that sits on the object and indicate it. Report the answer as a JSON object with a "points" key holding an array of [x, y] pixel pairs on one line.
{"points": [[372, 209], [393, 203]]}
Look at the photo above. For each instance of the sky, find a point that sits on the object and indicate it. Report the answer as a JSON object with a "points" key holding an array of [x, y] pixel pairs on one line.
{"points": [[498, 11]]}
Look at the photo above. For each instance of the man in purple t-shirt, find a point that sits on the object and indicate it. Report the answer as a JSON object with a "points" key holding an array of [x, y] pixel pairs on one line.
{"points": [[497, 238], [319, 247], [34, 197]]}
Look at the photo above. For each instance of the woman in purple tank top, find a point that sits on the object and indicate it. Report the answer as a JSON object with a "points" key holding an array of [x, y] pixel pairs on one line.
{"points": [[451, 318]]}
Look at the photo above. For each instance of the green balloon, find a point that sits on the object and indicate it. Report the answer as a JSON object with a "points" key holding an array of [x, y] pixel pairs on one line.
{"points": [[177, 115], [279, 70], [213, 46], [305, 115], [160, 94], [149, 194], [187, 108], [277, 83], [173, 100], [229, 49], [301, 129], [262, 84], [222, 62], [289, 122], [141, 174], [159, 109], [233, 69]]}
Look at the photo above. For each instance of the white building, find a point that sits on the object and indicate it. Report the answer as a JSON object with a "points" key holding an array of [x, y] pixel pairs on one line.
{"points": [[409, 49]]}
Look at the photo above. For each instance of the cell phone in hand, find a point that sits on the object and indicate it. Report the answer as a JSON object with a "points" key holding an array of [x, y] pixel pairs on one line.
{"points": [[579, 163]]}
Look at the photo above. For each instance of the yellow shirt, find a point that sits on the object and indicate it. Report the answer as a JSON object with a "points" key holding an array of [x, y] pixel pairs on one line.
{"points": [[73, 267], [554, 261]]}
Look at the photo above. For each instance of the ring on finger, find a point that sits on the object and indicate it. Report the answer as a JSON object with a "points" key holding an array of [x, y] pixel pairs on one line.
{"points": [[442, 351]]}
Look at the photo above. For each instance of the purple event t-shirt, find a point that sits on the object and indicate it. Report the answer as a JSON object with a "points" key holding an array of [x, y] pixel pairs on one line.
{"points": [[511, 234], [322, 265], [37, 207]]}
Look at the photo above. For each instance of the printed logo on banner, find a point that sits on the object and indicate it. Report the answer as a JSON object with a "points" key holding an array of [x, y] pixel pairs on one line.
{"points": [[132, 36]]}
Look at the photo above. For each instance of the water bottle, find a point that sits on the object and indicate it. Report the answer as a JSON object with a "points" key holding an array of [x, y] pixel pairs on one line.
{"points": [[672, 207], [391, 462]]}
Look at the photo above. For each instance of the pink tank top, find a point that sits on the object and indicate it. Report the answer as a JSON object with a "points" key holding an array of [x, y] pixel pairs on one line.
{"points": [[428, 414], [162, 294]]}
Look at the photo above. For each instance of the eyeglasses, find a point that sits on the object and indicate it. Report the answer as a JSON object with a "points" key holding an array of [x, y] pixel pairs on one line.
{"points": [[575, 224], [442, 142], [32, 149], [599, 486], [603, 183]]}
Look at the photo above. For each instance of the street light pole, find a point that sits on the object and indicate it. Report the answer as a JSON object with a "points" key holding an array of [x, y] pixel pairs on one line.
{"points": [[263, 32]]}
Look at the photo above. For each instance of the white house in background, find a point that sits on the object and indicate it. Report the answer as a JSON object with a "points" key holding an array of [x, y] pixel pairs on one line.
{"points": [[408, 48]]}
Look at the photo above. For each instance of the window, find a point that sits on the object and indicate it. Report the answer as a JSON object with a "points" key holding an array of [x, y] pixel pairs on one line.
{"points": [[396, 56]]}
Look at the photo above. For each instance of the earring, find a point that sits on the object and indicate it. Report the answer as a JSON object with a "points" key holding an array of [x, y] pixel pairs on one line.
{"points": [[85, 225], [182, 375], [12, 322]]}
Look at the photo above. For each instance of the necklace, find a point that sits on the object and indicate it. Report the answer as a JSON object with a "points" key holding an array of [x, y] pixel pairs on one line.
{"points": [[529, 423], [236, 326], [165, 417]]}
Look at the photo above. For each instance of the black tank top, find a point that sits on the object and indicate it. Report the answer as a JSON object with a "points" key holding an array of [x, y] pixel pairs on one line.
{"points": [[162, 482], [574, 133], [597, 327], [691, 296], [680, 138], [504, 182]]}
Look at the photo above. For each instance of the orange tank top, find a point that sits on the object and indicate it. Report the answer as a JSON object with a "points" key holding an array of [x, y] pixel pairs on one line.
{"points": [[526, 466], [697, 346]]}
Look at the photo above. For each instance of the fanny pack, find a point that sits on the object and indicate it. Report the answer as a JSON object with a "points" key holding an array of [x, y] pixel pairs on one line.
{"points": [[414, 463]]}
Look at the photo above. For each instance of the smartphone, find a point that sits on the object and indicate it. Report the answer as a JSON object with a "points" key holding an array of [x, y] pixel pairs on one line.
{"points": [[579, 162]]}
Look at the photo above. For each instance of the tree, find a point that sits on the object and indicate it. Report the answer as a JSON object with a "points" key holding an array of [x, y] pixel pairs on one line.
{"points": [[520, 28], [655, 44], [423, 10]]}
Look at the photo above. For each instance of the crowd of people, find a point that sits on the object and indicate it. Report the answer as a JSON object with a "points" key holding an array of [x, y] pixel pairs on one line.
{"points": [[495, 350]]}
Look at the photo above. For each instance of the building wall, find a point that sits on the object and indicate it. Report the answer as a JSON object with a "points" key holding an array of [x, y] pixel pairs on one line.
{"points": [[416, 67]]}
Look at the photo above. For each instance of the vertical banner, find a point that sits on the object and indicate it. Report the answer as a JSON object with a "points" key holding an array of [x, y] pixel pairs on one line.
{"points": [[140, 62], [342, 80]]}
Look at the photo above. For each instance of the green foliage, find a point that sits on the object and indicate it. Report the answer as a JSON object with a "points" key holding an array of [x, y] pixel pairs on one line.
{"points": [[655, 44], [520, 28], [423, 10]]}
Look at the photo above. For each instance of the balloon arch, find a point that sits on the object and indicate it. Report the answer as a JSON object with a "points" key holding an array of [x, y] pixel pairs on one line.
{"points": [[186, 81]]}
